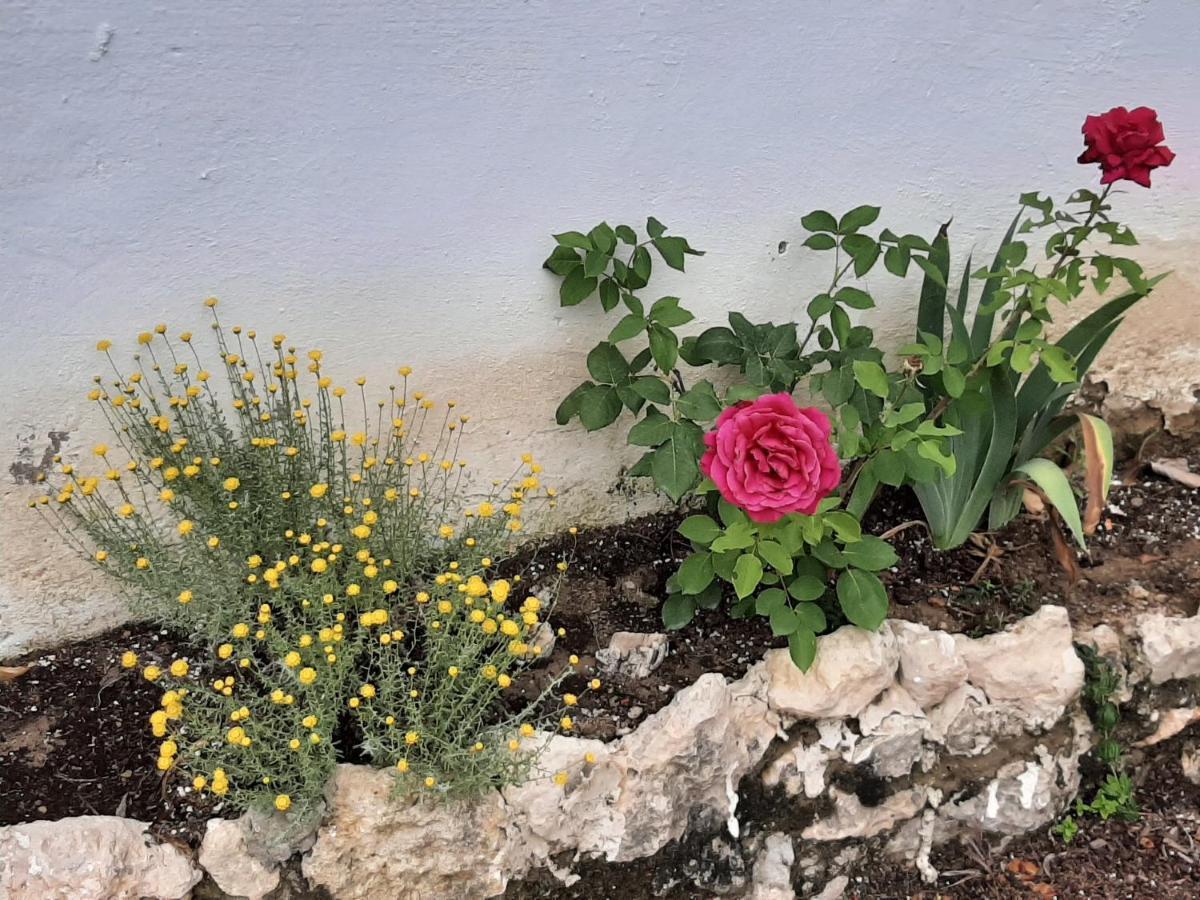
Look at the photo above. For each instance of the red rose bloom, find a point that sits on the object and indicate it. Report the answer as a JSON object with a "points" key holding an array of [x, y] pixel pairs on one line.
{"points": [[771, 458], [1126, 144]]}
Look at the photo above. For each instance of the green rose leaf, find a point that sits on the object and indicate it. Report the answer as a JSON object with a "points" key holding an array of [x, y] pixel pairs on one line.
{"points": [[859, 217], [695, 574], [678, 611], [871, 377], [778, 558], [871, 553], [575, 288], [664, 347], [783, 621], [802, 648], [573, 239], [818, 220], [599, 406], [610, 294], [700, 529], [630, 326], [699, 402], [811, 617], [606, 364], [650, 431], [747, 573], [769, 600], [807, 587], [653, 389], [862, 598]]}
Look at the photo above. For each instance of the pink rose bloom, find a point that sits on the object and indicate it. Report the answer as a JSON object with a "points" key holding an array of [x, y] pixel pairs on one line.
{"points": [[771, 458]]}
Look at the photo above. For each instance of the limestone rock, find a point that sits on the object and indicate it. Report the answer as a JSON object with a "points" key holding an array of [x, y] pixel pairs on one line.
{"points": [[850, 819], [835, 889], [852, 668], [1170, 723], [226, 858], [893, 730], [633, 655], [1024, 794], [968, 725], [800, 769], [1032, 666], [91, 858], [374, 844], [773, 869], [930, 664], [1170, 646]]}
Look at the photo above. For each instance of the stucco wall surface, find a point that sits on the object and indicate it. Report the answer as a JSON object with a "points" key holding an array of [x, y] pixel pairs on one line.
{"points": [[380, 179]]}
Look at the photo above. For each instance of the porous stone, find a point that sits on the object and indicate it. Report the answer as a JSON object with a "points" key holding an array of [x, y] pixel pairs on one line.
{"points": [[851, 819], [851, 669], [229, 862], [1170, 646], [893, 730], [1024, 794], [91, 858], [632, 654], [374, 844], [772, 879], [1032, 667], [930, 664]]}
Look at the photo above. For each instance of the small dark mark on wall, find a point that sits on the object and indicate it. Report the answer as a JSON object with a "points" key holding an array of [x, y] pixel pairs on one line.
{"points": [[783, 245], [26, 467]]}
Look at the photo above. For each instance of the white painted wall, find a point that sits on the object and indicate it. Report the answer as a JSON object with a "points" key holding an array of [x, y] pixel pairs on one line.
{"points": [[381, 178]]}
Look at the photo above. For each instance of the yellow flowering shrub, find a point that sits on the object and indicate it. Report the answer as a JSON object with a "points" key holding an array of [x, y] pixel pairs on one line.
{"points": [[314, 548]]}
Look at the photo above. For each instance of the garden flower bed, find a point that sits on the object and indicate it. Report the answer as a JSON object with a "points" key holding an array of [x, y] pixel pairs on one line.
{"points": [[816, 780]]}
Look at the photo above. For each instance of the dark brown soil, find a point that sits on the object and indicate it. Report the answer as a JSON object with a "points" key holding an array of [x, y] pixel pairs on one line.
{"points": [[73, 732]]}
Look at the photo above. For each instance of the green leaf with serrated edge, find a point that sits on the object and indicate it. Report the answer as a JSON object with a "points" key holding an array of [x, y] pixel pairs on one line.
{"points": [[783, 621], [610, 294], [828, 553], [573, 239], [700, 529], [562, 260], [603, 238], [667, 311], [664, 347], [802, 648], [594, 263], [720, 345], [695, 573], [606, 364], [819, 220], [811, 616], [672, 250], [737, 536], [859, 217], [710, 597], [678, 611], [741, 392], [1056, 488], [699, 402], [820, 242], [871, 553], [747, 573], [854, 298], [769, 600], [731, 515], [631, 399], [599, 407], [871, 377], [807, 587], [575, 288], [651, 431], [626, 234], [674, 467], [569, 408], [651, 388], [776, 557], [655, 228], [630, 326], [896, 260], [862, 598], [845, 526]]}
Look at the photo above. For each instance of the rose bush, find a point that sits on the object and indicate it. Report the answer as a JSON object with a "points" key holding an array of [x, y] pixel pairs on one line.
{"points": [[1126, 144], [771, 458]]}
